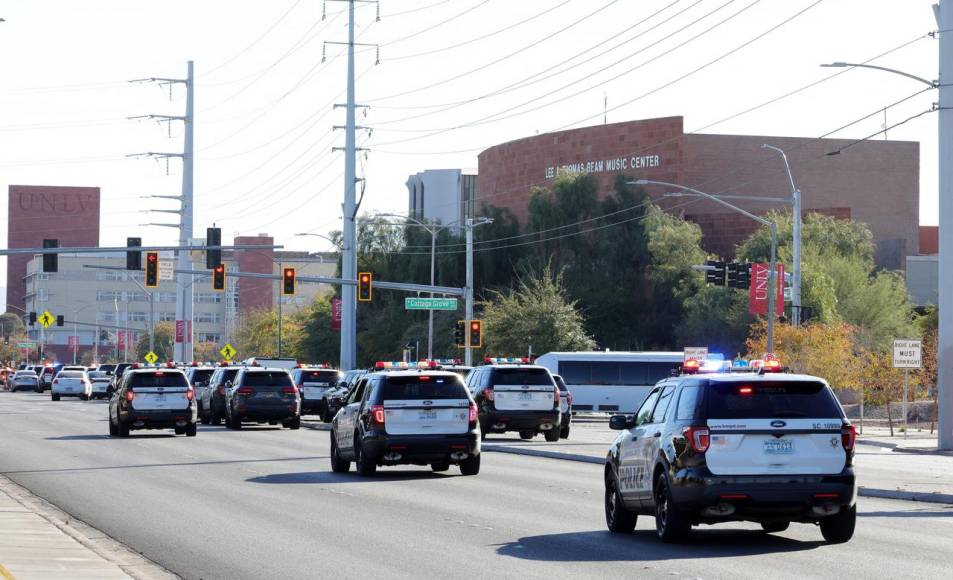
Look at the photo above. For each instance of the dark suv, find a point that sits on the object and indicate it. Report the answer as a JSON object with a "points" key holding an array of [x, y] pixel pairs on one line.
{"points": [[407, 417], [313, 383], [516, 397], [772, 448], [213, 396], [262, 395]]}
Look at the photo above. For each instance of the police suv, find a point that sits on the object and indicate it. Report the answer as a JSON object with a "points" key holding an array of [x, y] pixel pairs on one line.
{"points": [[758, 445], [153, 398], [512, 395], [403, 416]]}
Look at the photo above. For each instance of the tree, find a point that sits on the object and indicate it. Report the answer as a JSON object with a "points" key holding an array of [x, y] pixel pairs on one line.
{"points": [[536, 313], [164, 335], [818, 349], [257, 334], [206, 351], [715, 317], [317, 342]]}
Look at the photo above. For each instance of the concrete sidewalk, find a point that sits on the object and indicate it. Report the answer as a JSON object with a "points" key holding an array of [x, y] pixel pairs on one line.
{"points": [[39, 541]]}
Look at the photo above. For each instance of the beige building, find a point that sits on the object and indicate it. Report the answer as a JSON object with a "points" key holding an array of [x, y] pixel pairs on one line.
{"points": [[103, 303]]}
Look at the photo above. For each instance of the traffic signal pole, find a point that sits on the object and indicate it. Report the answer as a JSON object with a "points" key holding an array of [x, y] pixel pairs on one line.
{"points": [[944, 16], [468, 290]]}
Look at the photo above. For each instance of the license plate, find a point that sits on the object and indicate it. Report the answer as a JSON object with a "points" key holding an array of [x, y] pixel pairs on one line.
{"points": [[779, 447], [526, 396], [427, 415]]}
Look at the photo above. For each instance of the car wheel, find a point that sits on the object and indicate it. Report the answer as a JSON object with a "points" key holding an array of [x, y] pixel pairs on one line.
{"points": [[326, 416], [564, 432], [294, 423], [191, 430], [205, 418], [527, 434], [839, 528], [123, 430], [214, 419], [552, 435], [55, 397], [84, 397], [112, 428], [276, 422], [671, 525], [338, 464], [364, 466], [179, 430], [619, 519], [470, 465], [442, 466], [234, 423], [774, 527]]}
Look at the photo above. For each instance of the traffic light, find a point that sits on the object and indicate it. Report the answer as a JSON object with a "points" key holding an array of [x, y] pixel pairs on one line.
{"points": [[218, 278], [364, 289], [715, 274], [744, 276], [152, 269], [133, 259], [60, 320], [6, 339], [476, 333], [213, 237], [289, 281], [50, 261], [32, 318], [460, 334]]}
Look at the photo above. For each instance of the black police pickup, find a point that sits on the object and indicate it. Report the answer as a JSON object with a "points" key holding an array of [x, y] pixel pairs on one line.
{"points": [[512, 396], [152, 398], [766, 447], [262, 395], [407, 417]]}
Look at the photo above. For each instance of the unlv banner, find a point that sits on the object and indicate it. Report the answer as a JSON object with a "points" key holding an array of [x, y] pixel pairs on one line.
{"points": [[335, 314], [758, 291]]}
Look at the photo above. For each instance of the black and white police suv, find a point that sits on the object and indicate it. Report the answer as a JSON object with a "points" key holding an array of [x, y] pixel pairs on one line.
{"points": [[313, 382], [512, 395], [763, 445], [416, 417], [153, 398]]}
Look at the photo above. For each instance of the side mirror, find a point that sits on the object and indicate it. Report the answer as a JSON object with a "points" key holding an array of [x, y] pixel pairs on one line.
{"points": [[619, 422]]}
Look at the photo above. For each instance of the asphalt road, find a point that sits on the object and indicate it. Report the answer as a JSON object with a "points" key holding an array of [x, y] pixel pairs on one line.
{"points": [[262, 503]]}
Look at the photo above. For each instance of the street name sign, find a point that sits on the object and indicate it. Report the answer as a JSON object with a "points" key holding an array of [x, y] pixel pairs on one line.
{"points": [[26, 344], [430, 303], [907, 354]]}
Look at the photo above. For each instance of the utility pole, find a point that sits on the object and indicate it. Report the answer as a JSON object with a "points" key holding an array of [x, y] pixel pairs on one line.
{"points": [[281, 299], [181, 351], [468, 290], [944, 17], [796, 234]]}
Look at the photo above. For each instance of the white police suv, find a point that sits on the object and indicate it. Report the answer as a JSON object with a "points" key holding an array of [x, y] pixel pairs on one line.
{"points": [[757, 444]]}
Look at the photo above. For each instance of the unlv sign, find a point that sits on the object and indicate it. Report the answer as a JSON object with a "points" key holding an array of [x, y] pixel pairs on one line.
{"points": [[758, 291]]}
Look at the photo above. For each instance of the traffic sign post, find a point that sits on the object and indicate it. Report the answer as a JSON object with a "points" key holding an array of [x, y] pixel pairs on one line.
{"points": [[430, 303], [907, 354], [698, 353]]}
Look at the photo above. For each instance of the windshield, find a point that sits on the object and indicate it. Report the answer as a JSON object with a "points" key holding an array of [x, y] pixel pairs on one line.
{"points": [[158, 379], [522, 376], [424, 387], [771, 399], [202, 375], [266, 379], [70, 375]]}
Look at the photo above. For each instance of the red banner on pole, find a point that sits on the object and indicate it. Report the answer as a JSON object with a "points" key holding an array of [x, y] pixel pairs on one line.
{"points": [[73, 342], [758, 291], [179, 330], [336, 314]]}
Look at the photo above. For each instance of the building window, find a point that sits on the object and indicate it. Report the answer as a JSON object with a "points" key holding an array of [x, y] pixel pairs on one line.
{"points": [[109, 317], [208, 317], [165, 316], [167, 297], [43, 276], [42, 295], [138, 316], [209, 337], [138, 297], [208, 298], [109, 276], [107, 295]]}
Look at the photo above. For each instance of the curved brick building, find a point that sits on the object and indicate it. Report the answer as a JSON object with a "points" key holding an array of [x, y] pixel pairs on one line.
{"points": [[876, 182]]}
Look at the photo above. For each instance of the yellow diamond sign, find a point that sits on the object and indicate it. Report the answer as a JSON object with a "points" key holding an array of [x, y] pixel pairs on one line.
{"points": [[151, 357], [228, 351], [46, 319]]}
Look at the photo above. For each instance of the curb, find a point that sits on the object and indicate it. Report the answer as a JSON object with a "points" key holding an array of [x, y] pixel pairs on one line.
{"points": [[917, 496]]}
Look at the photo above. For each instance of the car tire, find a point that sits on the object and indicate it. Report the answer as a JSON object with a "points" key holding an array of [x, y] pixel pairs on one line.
{"points": [[564, 432], [839, 528], [179, 430], [113, 431], [619, 519], [774, 527], [204, 418], [84, 397], [122, 430], [442, 466], [338, 464], [470, 465], [527, 434], [55, 397], [671, 525], [234, 423], [295, 423], [191, 430], [364, 467], [552, 435], [326, 416], [214, 419]]}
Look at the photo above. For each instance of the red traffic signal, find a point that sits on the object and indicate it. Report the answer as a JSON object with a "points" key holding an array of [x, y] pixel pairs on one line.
{"points": [[152, 269], [476, 334], [365, 291], [218, 278], [289, 281]]}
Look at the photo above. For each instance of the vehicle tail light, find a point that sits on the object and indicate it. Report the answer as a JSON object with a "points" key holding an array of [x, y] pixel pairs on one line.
{"points": [[56, 381], [377, 415], [826, 495], [473, 415], [292, 390], [698, 437], [190, 394], [130, 395], [733, 496], [245, 391], [848, 436], [488, 393], [569, 397], [556, 397]]}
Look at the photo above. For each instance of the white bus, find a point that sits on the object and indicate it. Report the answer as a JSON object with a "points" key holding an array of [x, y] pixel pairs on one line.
{"points": [[610, 381]]}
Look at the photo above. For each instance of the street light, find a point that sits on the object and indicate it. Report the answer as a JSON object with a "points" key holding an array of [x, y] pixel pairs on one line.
{"points": [[772, 274], [796, 234], [76, 329], [322, 236]]}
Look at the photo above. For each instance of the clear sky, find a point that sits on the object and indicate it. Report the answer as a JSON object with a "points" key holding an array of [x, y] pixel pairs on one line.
{"points": [[455, 76]]}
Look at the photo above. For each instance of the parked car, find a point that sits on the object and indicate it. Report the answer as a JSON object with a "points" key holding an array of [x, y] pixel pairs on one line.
{"points": [[262, 395], [26, 379], [100, 383], [71, 384]]}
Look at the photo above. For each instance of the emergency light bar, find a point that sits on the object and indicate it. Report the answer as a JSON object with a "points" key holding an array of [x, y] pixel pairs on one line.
{"points": [[505, 360]]}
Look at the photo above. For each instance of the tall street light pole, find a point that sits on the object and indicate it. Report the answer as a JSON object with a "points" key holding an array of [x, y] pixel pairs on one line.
{"points": [[76, 330], [773, 267], [796, 235], [943, 11]]}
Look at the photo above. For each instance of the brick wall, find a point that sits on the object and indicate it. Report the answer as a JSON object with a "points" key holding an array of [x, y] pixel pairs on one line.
{"points": [[254, 294]]}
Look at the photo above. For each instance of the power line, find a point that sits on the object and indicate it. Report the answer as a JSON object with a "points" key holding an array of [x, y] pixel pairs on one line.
{"points": [[437, 25], [256, 41]]}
